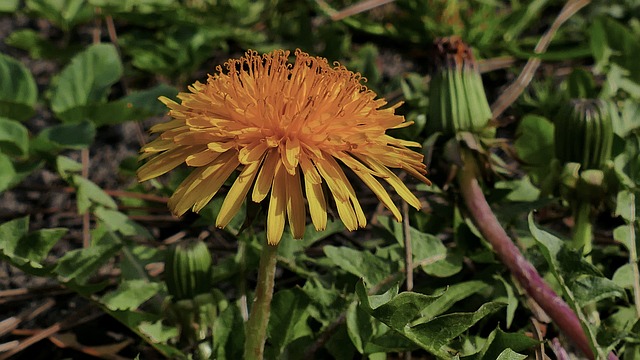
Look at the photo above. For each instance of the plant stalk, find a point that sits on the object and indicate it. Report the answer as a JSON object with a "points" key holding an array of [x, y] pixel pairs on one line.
{"points": [[583, 229], [256, 327], [528, 277]]}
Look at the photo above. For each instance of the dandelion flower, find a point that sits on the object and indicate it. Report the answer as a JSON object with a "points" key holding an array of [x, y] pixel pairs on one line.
{"points": [[290, 129]]}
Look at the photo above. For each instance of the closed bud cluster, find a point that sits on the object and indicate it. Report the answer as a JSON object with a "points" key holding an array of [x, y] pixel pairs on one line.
{"points": [[584, 132], [457, 101], [188, 270]]}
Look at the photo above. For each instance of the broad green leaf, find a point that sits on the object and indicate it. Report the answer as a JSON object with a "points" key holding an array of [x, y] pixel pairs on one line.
{"points": [[158, 331], [452, 294], [509, 354], [534, 144], [85, 81], [9, 6], [288, 319], [359, 326], [395, 310], [436, 333], [624, 276], [425, 247], [589, 289], [18, 91], [88, 194], [63, 13], [80, 264], [27, 250], [8, 173], [117, 221], [135, 106], [55, 138], [626, 205], [14, 138], [228, 332], [360, 263], [290, 247], [499, 340], [41, 47], [130, 294]]}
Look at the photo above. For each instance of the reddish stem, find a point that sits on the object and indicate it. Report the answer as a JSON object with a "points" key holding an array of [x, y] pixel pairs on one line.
{"points": [[528, 277]]}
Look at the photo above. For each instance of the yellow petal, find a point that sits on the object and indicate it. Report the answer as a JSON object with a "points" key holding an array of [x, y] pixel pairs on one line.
{"points": [[394, 181], [291, 155], [277, 206], [236, 194], [196, 192], [165, 162], [295, 205], [265, 177], [202, 158], [252, 152], [310, 172], [317, 203]]}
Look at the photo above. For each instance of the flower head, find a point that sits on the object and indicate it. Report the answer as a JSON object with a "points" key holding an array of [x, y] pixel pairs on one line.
{"points": [[286, 127]]}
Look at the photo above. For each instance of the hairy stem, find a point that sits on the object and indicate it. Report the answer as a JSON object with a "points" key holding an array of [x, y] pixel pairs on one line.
{"points": [[510, 255], [256, 327]]}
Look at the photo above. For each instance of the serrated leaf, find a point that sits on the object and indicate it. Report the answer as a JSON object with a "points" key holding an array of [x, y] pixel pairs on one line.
{"points": [[158, 332], [360, 263], [130, 294], [14, 138], [436, 333], [395, 310], [18, 91], [449, 296], [288, 319], [499, 340], [85, 81], [589, 289], [80, 264]]}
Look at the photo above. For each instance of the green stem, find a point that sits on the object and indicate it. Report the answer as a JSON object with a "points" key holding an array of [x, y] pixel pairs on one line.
{"points": [[583, 229], [256, 328]]}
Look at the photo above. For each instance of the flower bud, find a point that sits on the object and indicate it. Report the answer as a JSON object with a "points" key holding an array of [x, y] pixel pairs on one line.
{"points": [[457, 101], [584, 132], [188, 269]]}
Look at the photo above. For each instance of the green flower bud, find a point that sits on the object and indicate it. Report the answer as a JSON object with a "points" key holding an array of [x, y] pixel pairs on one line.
{"points": [[457, 101], [584, 132], [188, 270]]}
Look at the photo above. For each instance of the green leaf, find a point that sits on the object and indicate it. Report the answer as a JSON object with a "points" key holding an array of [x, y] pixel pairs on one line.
{"points": [[624, 277], [395, 310], [27, 250], [9, 6], [565, 265], [288, 319], [63, 13], [14, 138], [130, 294], [509, 354], [228, 331], [85, 82], [290, 247], [40, 47], [589, 289], [157, 331], [55, 138], [18, 91], [360, 263], [435, 334], [88, 194], [499, 340], [135, 106], [452, 294], [117, 221], [534, 144], [8, 174], [80, 264]]}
